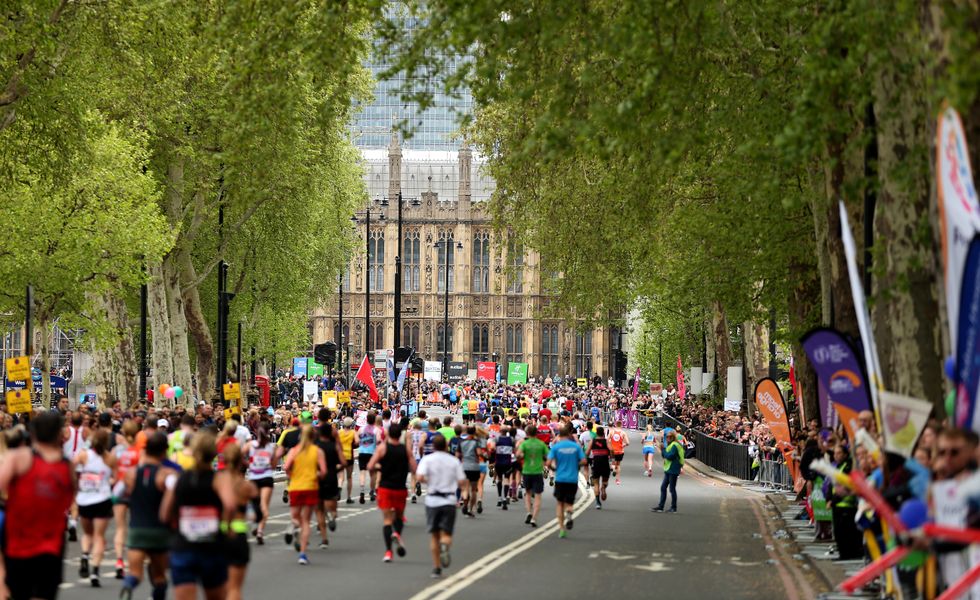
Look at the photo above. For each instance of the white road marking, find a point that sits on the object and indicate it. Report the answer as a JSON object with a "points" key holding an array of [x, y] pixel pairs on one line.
{"points": [[655, 566], [481, 568]]}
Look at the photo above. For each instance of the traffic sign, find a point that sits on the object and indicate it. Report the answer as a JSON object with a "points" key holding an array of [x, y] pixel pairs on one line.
{"points": [[343, 397], [19, 401], [18, 368], [233, 391], [582, 382]]}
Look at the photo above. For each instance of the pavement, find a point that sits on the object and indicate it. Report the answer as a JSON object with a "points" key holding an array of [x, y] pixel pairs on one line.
{"points": [[722, 543]]}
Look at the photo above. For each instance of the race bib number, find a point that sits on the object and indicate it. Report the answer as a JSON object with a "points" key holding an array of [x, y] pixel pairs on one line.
{"points": [[198, 523], [261, 460], [89, 483]]}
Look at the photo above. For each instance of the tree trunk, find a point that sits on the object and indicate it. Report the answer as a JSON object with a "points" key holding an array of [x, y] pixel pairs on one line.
{"points": [[905, 311], [843, 316], [124, 354], [197, 327], [820, 228], [756, 336], [157, 310], [178, 334], [722, 344], [44, 328], [804, 313]]}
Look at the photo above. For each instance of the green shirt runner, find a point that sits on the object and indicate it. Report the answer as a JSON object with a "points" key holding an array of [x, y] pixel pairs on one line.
{"points": [[534, 451]]}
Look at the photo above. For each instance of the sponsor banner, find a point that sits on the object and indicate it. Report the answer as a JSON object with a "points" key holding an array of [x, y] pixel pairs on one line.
{"points": [[457, 371], [733, 397], [310, 391], [959, 211], [516, 373], [486, 371], [313, 369], [769, 401], [902, 418], [433, 370], [299, 367], [838, 368], [829, 417], [681, 390], [967, 372]]}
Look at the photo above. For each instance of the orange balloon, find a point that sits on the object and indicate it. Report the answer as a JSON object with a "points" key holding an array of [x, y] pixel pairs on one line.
{"points": [[163, 388]]}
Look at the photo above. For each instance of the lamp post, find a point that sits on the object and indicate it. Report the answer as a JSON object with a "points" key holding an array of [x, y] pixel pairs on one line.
{"points": [[398, 271], [446, 245], [366, 214], [340, 323]]}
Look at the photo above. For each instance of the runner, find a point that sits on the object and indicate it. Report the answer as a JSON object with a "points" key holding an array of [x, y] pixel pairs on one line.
{"points": [[544, 434], [368, 437], [484, 469], [149, 537], [329, 492], [443, 475], [94, 499], [73, 441], [236, 544], [565, 457], [288, 439], [618, 441], [471, 448], [417, 441], [598, 451], [199, 501], [40, 485], [305, 464], [348, 441], [649, 449], [503, 466], [533, 452], [393, 461], [261, 454], [127, 457]]}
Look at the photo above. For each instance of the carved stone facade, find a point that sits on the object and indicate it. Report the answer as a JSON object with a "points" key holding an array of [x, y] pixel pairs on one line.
{"points": [[488, 294]]}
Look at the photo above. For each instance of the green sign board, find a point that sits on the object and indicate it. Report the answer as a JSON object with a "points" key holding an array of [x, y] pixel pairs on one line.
{"points": [[313, 369], [516, 373]]}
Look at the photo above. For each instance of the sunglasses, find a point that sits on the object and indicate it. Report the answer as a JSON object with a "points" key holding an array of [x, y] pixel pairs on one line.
{"points": [[949, 451]]}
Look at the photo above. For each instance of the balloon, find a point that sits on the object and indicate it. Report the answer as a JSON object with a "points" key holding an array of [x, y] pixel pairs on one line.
{"points": [[914, 513], [178, 391], [163, 388], [951, 404], [169, 393], [949, 366]]}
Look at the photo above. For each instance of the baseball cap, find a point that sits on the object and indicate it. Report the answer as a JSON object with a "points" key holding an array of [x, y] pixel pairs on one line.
{"points": [[163, 423]]}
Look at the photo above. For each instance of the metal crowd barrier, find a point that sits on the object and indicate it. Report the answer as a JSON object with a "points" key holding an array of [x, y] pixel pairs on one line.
{"points": [[727, 457], [775, 474]]}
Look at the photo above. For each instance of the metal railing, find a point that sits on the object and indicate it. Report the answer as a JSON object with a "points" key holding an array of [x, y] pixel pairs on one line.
{"points": [[775, 474], [727, 457]]}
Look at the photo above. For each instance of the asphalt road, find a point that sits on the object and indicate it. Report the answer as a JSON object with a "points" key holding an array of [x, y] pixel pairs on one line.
{"points": [[715, 546]]}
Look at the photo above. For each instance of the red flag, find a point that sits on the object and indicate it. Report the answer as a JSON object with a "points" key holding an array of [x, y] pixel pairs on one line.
{"points": [[792, 379], [681, 391], [365, 377]]}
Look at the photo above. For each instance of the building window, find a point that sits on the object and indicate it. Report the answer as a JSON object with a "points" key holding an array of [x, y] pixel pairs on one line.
{"points": [[481, 344], [549, 350], [410, 336], [441, 344], [376, 338], [411, 259], [340, 341], [515, 343], [376, 261], [447, 258], [345, 279], [583, 354], [481, 262], [515, 267]]}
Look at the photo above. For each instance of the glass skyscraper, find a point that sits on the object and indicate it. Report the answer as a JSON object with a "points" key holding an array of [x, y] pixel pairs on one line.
{"points": [[436, 128]]}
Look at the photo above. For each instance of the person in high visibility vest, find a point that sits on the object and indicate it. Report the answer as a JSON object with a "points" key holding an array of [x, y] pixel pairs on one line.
{"points": [[673, 454]]}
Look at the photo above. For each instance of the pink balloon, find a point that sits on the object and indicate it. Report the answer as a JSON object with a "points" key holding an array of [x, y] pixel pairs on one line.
{"points": [[169, 393]]}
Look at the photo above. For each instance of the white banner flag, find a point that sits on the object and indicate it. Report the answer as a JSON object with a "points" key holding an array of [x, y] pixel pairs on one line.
{"points": [[903, 419], [433, 370], [310, 391]]}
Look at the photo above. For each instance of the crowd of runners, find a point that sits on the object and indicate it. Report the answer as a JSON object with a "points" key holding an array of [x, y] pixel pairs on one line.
{"points": [[185, 488]]}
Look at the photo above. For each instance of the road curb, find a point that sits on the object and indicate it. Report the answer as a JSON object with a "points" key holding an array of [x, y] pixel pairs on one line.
{"points": [[816, 567]]}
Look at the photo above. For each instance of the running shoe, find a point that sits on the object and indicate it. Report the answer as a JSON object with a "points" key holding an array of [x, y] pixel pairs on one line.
{"points": [[603, 494], [551, 481], [396, 539], [387, 556], [598, 505], [303, 560], [260, 539], [671, 510], [350, 500], [562, 534], [444, 558], [527, 519], [331, 522], [285, 496], [414, 499], [72, 533], [83, 567], [324, 545], [289, 536], [534, 523], [362, 498], [94, 580], [120, 568], [436, 573], [657, 509], [504, 505], [374, 496], [479, 507], [570, 523], [418, 489]]}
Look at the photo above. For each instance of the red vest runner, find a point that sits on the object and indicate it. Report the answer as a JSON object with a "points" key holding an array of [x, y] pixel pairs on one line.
{"points": [[36, 506]]}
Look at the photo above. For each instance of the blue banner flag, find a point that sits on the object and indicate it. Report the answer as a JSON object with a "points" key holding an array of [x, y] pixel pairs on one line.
{"points": [[390, 364], [968, 341], [403, 372]]}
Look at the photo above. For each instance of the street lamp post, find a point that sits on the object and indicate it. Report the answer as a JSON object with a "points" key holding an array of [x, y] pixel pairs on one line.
{"points": [[340, 324], [398, 272], [446, 244], [367, 271]]}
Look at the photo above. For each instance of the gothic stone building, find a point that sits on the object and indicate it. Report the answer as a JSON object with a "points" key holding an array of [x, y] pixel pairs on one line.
{"points": [[495, 296]]}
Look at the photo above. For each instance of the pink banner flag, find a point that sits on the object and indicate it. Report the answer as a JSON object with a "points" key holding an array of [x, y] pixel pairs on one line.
{"points": [[681, 390], [636, 384]]}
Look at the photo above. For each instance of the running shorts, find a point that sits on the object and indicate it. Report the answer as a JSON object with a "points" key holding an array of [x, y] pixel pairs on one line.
{"points": [[601, 470], [473, 476], [304, 498], [148, 539], [440, 518], [389, 499], [363, 460], [265, 482], [617, 458], [534, 484], [329, 489], [35, 577], [101, 510], [208, 568], [649, 450], [484, 468], [504, 470], [565, 492], [236, 550]]}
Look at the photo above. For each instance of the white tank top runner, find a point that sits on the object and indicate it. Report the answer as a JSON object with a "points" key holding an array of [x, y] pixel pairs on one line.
{"points": [[93, 481]]}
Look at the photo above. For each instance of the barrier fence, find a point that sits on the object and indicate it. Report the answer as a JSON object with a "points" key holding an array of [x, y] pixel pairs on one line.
{"points": [[775, 474]]}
